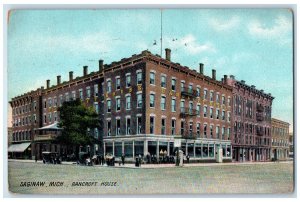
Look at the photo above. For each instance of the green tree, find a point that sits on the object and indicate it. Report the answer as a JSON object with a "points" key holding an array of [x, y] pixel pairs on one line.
{"points": [[75, 120]]}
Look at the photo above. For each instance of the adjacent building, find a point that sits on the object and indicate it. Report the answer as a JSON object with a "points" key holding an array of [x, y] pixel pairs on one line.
{"points": [[280, 140], [146, 103], [251, 122]]}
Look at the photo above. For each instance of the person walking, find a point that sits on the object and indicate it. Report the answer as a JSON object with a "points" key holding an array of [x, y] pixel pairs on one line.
{"points": [[123, 159]]}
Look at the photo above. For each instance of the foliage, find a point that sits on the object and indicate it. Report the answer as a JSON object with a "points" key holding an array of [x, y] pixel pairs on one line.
{"points": [[75, 119]]}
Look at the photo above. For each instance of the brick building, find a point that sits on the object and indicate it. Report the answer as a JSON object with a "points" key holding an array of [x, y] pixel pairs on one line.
{"points": [[145, 103], [251, 122], [280, 140]]}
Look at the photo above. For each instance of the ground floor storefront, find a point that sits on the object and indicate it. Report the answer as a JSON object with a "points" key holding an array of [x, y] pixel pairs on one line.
{"points": [[158, 145], [20, 150], [242, 154], [280, 153]]}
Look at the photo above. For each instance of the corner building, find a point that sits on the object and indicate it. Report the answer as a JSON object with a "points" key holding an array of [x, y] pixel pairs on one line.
{"points": [[150, 101]]}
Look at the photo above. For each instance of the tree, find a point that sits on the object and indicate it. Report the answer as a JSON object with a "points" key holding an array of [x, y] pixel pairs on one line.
{"points": [[75, 120]]}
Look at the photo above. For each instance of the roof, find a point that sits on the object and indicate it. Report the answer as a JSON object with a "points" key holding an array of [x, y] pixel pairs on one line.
{"points": [[18, 147]]}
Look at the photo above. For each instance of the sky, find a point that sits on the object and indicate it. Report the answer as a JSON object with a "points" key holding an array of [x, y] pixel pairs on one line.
{"points": [[255, 45]]}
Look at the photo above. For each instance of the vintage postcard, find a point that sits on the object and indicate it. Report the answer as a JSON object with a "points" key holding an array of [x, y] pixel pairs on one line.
{"points": [[150, 101]]}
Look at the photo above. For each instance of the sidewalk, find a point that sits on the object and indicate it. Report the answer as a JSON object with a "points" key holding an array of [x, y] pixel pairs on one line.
{"points": [[153, 166]]}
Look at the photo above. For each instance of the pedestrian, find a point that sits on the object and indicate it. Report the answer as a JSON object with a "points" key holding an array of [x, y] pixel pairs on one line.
{"points": [[35, 158], [123, 158], [188, 159], [140, 160]]}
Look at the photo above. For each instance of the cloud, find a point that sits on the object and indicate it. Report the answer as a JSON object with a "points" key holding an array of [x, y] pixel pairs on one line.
{"points": [[224, 25], [189, 44], [91, 43], [281, 29]]}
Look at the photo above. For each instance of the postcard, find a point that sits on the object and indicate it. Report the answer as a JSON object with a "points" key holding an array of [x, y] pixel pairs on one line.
{"points": [[150, 101]]}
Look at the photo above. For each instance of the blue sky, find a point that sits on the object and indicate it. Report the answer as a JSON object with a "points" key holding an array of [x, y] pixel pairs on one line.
{"points": [[255, 45]]}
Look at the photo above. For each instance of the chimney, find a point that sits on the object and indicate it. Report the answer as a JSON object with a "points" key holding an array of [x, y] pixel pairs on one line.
{"points": [[101, 65], [85, 70], [48, 83], [232, 77], [225, 78], [58, 79], [201, 66], [242, 81], [252, 86], [70, 75], [214, 74], [168, 54]]}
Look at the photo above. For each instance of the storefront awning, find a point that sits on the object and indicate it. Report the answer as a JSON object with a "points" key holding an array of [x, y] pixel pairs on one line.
{"points": [[18, 147], [53, 126]]}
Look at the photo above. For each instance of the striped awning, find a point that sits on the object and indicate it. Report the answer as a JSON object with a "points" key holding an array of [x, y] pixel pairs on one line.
{"points": [[18, 147]]}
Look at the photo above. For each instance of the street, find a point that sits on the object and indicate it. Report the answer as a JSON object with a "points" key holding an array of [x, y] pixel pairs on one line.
{"points": [[38, 178]]}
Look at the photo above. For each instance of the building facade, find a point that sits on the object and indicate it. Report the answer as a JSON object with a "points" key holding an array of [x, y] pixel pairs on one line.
{"points": [[251, 122], [280, 140], [146, 103]]}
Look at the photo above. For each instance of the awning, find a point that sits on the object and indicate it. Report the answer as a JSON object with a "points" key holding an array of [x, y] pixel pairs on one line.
{"points": [[53, 126], [18, 147]]}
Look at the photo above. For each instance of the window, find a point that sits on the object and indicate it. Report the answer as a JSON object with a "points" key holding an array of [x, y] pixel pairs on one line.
{"points": [[96, 90], [191, 129], [211, 112], [223, 99], [50, 117], [96, 107], [55, 116], [55, 101], [223, 115], [173, 127], [218, 98], [128, 80], [139, 100], [163, 103], [218, 114], [108, 86], [118, 104], [182, 109], [67, 97], [50, 102], [80, 94], [45, 104], [198, 109], [108, 106], [139, 78], [182, 86], [198, 91], [73, 95], [163, 81], [223, 133], [152, 100], [229, 101], [173, 87], [139, 125], [34, 106], [118, 83], [190, 88], [60, 100], [118, 127], [228, 117], [88, 92], [173, 105], [218, 132], [128, 130], [191, 106], [163, 126], [205, 94], [34, 118], [182, 127], [205, 111], [108, 127], [152, 78], [128, 102], [211, 131], [96, 133], [211, 96], [198, 129], [151, 125], [205, 130]]}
